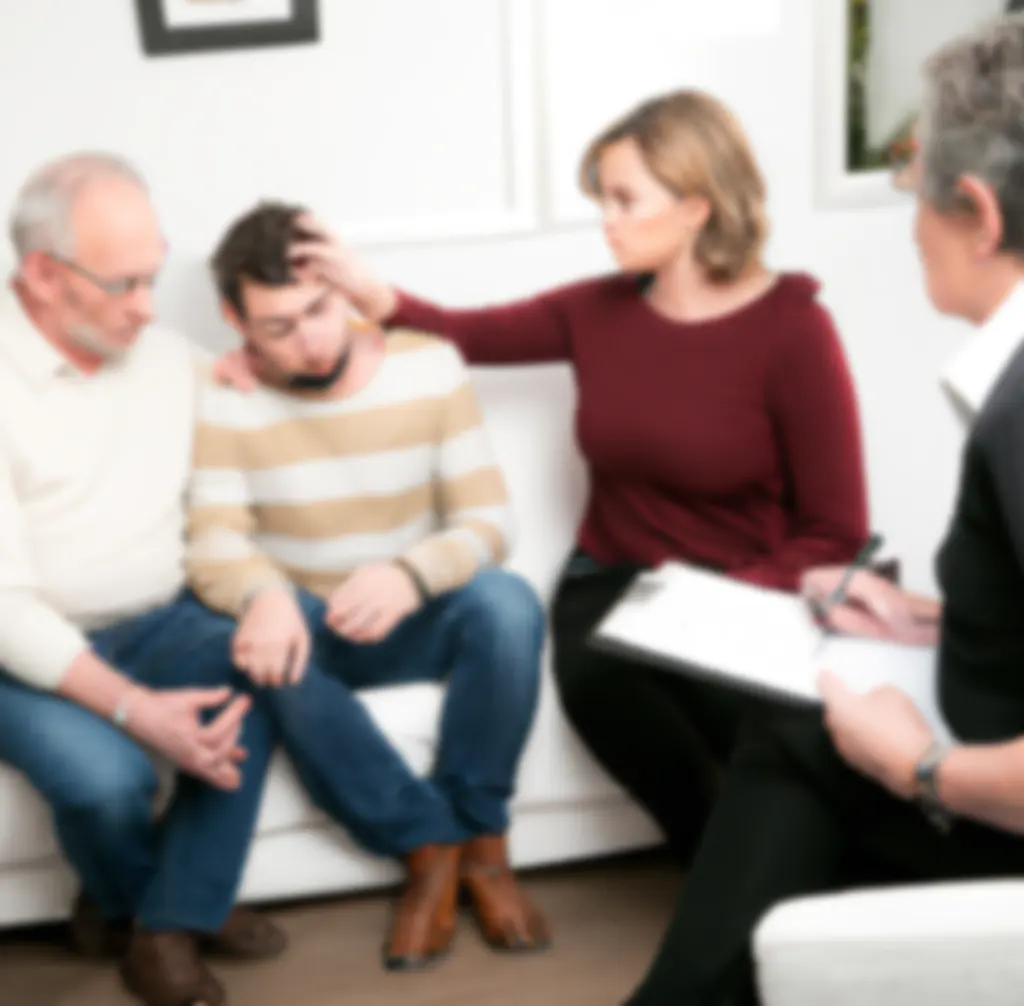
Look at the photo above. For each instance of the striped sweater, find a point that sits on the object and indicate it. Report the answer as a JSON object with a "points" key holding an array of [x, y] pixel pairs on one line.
{"points": [[291, 489]]}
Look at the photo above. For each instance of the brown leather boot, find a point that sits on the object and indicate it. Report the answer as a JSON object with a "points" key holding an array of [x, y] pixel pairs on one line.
{"points": [[246, 936], [424, 920], [94, 936], [165, 969], [508, 919]]}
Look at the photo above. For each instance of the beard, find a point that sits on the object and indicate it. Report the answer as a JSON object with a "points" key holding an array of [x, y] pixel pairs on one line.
{"points": [[320, 382], [88, 338]]}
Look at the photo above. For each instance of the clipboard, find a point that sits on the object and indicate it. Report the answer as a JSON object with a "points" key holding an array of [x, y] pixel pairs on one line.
{"points": [[690, 621]]}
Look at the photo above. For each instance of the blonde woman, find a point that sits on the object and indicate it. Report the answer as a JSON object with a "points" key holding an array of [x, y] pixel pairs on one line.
{"points": [[716, 414]]}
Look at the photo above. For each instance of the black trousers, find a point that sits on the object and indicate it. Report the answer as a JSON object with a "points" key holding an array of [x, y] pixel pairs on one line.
{"points": [[790, 817], [662, 736]]}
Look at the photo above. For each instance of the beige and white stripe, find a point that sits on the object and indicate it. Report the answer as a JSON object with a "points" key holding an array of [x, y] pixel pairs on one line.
{"points": [[286, 489]]}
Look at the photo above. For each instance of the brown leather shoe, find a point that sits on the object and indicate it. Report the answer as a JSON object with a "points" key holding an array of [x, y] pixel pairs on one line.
{"points": [[508, 919], [246, 936], [424, 922], [96, 937], [165, 969]]}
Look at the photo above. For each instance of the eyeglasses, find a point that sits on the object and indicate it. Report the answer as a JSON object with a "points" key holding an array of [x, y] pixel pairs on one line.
{"points": [[119, 287]]}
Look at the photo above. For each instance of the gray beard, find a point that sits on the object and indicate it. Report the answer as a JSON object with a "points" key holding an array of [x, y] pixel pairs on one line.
{"points": [[87, 338]]}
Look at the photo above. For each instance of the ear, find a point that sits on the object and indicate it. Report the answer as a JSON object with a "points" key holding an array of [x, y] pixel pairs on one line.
{"points": [[230, 314], [697, 210], [986, 213], [39, 274]]}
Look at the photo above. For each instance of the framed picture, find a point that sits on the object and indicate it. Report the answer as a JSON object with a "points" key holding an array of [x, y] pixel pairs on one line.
{"points": [[178, 26], [870, 54]]}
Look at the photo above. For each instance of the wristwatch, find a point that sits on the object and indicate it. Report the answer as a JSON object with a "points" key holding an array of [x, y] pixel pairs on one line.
{"points": [[926, 791]]}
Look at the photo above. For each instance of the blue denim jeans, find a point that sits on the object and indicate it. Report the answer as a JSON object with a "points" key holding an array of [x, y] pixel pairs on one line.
{"points": [[486, 640], [183, 871]]}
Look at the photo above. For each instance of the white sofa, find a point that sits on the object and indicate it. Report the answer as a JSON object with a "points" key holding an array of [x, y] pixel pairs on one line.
{"points": [[565, 808]]}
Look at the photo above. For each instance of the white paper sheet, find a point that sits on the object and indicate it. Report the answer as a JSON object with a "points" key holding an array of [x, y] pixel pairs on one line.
{"points": [[760, 639]]}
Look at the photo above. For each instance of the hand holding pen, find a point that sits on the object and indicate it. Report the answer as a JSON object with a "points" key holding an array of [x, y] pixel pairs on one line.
{"points": [[851, 600]]}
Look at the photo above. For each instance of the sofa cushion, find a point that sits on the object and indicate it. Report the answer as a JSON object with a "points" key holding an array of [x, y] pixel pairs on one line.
{"points": [[25, 831]]}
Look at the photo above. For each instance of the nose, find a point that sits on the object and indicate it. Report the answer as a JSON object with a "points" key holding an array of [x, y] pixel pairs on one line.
{"points": [[610, 212], [312, 343], [141, 305], [610, 229], [611, 223]]}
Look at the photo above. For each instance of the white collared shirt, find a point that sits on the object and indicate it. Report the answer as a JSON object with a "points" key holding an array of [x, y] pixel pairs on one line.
{"points": [[93, 474], [972, 374]]}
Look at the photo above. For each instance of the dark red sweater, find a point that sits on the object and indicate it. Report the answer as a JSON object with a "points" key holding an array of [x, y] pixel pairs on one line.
{"points": [[733, 443]]}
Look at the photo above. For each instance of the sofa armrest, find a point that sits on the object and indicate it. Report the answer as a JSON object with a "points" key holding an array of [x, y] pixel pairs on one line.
{"points": [[937, 944]]}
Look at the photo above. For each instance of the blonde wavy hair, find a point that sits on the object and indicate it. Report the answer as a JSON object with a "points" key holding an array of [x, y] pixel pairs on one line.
{"points": [[694, 145]]}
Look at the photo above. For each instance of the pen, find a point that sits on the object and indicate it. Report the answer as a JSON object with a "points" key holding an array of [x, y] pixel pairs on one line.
{"points": [[860, 560]]}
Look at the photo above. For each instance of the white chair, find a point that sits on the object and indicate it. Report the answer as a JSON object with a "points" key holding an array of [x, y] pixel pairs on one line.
{"points": [[951, 944]]}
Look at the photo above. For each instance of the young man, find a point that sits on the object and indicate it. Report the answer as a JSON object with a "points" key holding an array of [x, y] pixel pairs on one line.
{"points": [[349, 514], [103, 654]]}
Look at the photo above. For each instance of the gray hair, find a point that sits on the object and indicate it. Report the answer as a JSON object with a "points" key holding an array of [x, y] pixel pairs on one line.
{"points": [[972, 122], [41, 219]]}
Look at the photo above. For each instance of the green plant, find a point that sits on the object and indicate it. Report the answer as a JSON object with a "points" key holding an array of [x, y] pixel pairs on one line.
{"points": [[859, 156]]}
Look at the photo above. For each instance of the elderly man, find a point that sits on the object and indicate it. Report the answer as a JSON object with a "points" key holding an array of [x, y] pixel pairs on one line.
{"points": [[102, 652], [866, 793]]}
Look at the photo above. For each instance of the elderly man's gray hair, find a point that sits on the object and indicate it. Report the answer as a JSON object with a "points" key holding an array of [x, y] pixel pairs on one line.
{"points": [[972, 121], [41, 218]]}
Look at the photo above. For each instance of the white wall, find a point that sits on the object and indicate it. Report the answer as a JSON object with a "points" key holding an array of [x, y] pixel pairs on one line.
{"points": [[443, 135]]}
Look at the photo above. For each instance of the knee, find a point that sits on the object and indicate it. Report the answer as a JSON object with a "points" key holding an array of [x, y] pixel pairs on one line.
{"points": [[288, 700], [585, 687], [258, 734], [203, 643], [111, 792], [508, 605], [313, 697]]}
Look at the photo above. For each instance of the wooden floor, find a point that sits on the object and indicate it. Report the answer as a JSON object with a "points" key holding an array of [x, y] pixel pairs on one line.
{"points": [[607, 920]]}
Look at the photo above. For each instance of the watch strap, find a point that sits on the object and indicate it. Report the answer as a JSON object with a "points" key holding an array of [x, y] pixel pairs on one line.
{"points": [[926, 791], [415, 575]]}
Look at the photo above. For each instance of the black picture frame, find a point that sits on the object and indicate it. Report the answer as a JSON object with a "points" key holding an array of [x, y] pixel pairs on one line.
{"points": [[159, 39]]}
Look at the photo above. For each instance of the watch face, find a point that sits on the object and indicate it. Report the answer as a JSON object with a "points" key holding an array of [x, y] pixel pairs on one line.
{"points": [[924, 772], [926, 792]]}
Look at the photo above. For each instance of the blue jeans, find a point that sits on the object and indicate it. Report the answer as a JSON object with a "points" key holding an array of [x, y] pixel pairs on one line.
{"points": [[486, 639], [183, 871]]}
